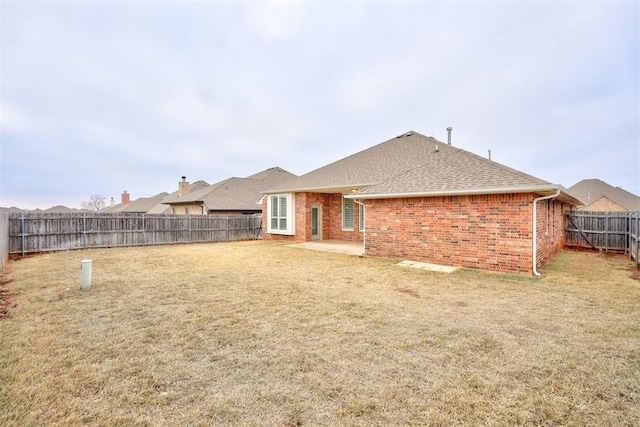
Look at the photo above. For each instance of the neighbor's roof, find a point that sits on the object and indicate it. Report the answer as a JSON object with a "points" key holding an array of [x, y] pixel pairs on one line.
{"points": [[590, 190], [414, 165], [63, 209], [194, 188], [144, 204], [236, 193]]}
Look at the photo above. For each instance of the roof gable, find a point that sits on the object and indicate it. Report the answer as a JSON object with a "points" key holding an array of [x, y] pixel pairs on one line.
{"points": [[589, 190], [235, 193], [244, 193], [144, 204], [414, 164]]}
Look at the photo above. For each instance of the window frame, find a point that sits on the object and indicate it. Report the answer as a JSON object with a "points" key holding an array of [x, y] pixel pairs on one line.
{"points": [[287, 216], [345, 225]]}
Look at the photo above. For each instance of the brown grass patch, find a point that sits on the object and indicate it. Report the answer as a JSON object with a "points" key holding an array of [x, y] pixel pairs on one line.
{"points": [[257, 333], [6, 296]]}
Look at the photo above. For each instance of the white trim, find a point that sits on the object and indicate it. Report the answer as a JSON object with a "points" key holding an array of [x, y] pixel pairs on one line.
{"points": [[463, 192], [363, 230], [353, 219], [317, 206], [289, 215], [535, 229]]}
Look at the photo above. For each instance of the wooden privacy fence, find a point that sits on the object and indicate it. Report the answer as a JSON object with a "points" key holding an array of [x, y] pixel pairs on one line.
{"points": [[40, 232], [608, 231], [4, 239]]}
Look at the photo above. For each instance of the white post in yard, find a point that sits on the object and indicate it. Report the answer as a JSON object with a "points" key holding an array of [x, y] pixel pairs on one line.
{"points": [[85, 274]]}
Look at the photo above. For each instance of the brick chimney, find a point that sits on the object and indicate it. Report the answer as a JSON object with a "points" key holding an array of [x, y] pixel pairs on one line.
{"points": [[125, 198], [183, 187]]}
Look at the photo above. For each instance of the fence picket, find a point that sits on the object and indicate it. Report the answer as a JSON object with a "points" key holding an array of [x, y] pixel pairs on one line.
{"points": [[45, 232], [615, 231]]}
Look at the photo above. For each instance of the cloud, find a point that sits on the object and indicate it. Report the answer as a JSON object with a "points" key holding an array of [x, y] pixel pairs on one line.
{"points": [[11, 119], [133, 95]]}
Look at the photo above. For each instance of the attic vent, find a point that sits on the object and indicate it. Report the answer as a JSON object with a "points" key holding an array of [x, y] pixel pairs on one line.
{"points": [[405, 134]]}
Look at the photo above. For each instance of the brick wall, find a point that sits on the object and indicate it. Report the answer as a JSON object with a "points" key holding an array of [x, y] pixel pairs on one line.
{"points": [[550, 229], [335, 218], [604, 204], [331, 218], [194, 209], [489, 232]]}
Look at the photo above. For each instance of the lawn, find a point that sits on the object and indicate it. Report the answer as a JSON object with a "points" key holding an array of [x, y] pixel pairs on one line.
{"points": [[263, 334]]}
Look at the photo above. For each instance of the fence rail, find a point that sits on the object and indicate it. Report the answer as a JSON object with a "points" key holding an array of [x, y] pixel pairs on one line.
{"points": [[39, 232], [608, 231]]}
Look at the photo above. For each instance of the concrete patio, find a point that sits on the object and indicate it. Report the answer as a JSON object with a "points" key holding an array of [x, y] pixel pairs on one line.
{"points": [[338, 246]]}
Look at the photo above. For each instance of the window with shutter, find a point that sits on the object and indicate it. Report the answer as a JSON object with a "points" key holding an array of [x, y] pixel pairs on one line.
{"points": [[347, 214], [280, 212]]}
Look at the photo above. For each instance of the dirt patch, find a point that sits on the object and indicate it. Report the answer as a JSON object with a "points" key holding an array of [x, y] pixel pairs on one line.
{"points": [[6, 297], [635, 274], [408, 292]]}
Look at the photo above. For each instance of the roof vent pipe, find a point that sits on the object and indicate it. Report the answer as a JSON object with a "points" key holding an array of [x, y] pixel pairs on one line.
{"points": [[489, 154], [449, 129]]}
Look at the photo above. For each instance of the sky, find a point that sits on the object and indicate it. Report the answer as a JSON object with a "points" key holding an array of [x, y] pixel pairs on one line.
{"points": [[99, 97]]}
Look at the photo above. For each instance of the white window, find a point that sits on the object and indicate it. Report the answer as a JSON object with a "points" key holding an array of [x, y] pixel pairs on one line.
{"points": [[280, 218], [361, 217], [347, 214]]}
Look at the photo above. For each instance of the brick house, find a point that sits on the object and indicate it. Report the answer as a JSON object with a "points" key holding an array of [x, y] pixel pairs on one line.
{"points": [[599, 196], [414, 197]]}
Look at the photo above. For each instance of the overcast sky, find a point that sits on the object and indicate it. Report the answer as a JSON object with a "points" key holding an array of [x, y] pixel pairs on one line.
{"points": [[101, 97]]}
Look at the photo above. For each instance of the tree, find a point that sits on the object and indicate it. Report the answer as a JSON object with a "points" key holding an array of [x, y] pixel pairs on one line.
{"points": [[95, 202]]}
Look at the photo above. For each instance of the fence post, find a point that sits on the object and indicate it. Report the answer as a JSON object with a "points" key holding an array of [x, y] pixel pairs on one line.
{"points": [[637, 236], [606, 232], [190, 238], [22, 236], [629, 242], [84, 230], [144, 232]]}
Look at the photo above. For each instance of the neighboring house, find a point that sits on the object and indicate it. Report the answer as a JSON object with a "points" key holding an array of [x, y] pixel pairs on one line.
{"points": [[232, 196], [599, 196], [414, 197], [144, 204], [125, 199], [64, 209], [147, 205]]}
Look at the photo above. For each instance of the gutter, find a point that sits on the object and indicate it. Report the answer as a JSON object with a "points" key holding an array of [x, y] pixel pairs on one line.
{"points": [[364, 232], [330, 190], [535, 228], [467, 192]]}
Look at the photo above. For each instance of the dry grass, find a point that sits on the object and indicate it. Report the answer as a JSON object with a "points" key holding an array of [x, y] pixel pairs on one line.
{"points": [[258, 333]]}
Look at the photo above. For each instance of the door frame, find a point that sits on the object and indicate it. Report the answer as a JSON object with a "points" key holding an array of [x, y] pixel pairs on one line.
{"points": [[317, 206]]}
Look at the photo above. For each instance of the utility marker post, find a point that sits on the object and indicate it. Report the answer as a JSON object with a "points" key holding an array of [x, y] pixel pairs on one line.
{"points": [[85, 274]]}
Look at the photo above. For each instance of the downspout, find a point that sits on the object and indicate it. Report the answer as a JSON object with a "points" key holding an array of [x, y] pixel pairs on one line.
{"points": [[364, 232], [535, 228]]}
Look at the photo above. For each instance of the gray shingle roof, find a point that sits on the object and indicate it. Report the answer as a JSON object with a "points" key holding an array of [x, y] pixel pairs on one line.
{"points": [[236, 193], [589, 190], [194, 189], [414, 164], [144, 204]]}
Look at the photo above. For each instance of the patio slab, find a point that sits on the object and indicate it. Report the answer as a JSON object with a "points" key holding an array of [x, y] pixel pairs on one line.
{"points": [[427, 266], [337, 246]]}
